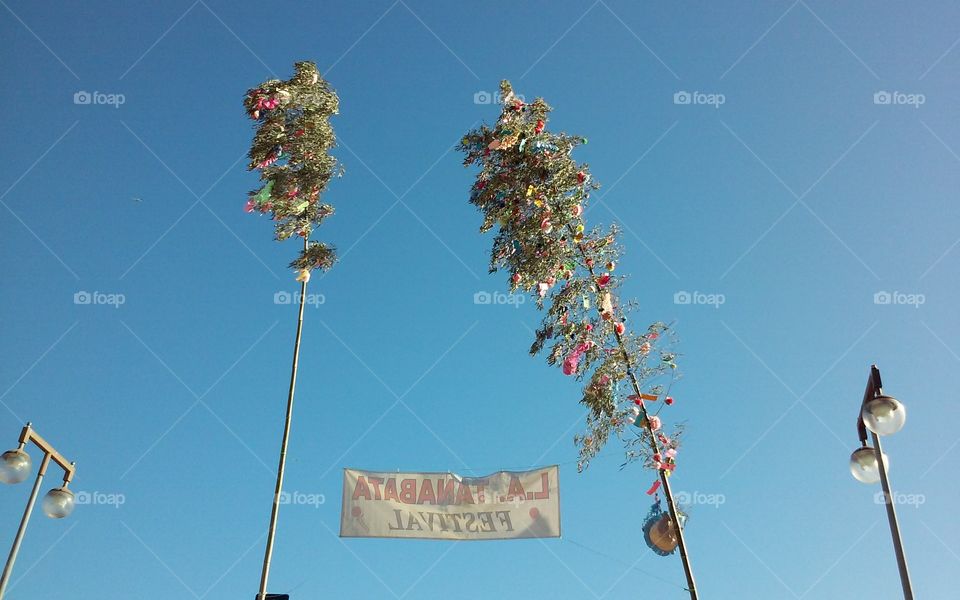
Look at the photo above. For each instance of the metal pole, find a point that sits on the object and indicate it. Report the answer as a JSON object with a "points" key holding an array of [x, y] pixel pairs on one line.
{"points": [[892, 518], [874, 389], [8, 569], [274, 512]]}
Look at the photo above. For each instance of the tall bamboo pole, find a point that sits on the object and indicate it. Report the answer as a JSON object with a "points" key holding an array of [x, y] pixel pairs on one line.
{"points": [[654, 443], [274, 512]]}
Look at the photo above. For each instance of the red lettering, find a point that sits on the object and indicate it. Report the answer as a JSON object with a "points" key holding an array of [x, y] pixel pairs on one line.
{"points": [[544, 493], [408, 491], [426, 493], [445, 491], [463, 494], [516, 488], [361, 489], [390, 490], [375, 482]]}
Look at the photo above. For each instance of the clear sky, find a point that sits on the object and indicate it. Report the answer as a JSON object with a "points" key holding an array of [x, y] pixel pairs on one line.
{"points": [[815, 167]]}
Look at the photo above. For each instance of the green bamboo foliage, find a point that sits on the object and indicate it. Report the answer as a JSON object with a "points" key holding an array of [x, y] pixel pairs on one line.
{"points": [[291, 150], [532, 191]]}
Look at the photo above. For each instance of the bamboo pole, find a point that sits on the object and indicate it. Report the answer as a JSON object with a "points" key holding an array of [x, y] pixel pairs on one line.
{"points": [[654, 443], [274, 512]]}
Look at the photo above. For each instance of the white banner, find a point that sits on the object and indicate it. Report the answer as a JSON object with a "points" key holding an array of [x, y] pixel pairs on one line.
{"points": [[444, 506]]}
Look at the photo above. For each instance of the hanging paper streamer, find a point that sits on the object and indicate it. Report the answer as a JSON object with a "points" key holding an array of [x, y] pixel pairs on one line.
{"points": [[653, 488], [534, 194]]}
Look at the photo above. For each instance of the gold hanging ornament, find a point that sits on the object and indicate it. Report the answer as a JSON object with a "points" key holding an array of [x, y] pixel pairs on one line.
{"points": [[660, 532]]}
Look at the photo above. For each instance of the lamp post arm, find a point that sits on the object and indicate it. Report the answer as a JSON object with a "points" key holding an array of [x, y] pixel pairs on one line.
{"points": [[30, 435]]}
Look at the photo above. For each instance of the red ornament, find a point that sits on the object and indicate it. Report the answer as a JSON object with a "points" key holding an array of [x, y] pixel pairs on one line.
{"points": [[581, 176], [668, 400], [620, 327], [603, 280], [539, 127]]}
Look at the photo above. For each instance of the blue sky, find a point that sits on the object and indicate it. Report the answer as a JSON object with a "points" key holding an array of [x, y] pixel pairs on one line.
{"points": [[822, 186]]}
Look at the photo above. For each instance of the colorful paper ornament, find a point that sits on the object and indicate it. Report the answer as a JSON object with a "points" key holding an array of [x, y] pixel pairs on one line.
{"points": [[264, 194], [659, 531], [570, 364]]}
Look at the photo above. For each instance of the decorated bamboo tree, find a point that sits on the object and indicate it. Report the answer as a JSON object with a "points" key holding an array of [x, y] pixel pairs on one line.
{"points": [[291, 151], [531, 189]]}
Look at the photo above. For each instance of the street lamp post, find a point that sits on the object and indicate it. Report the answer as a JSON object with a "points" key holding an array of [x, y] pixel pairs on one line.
{"points": [[15, 467], [882, 415]]}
